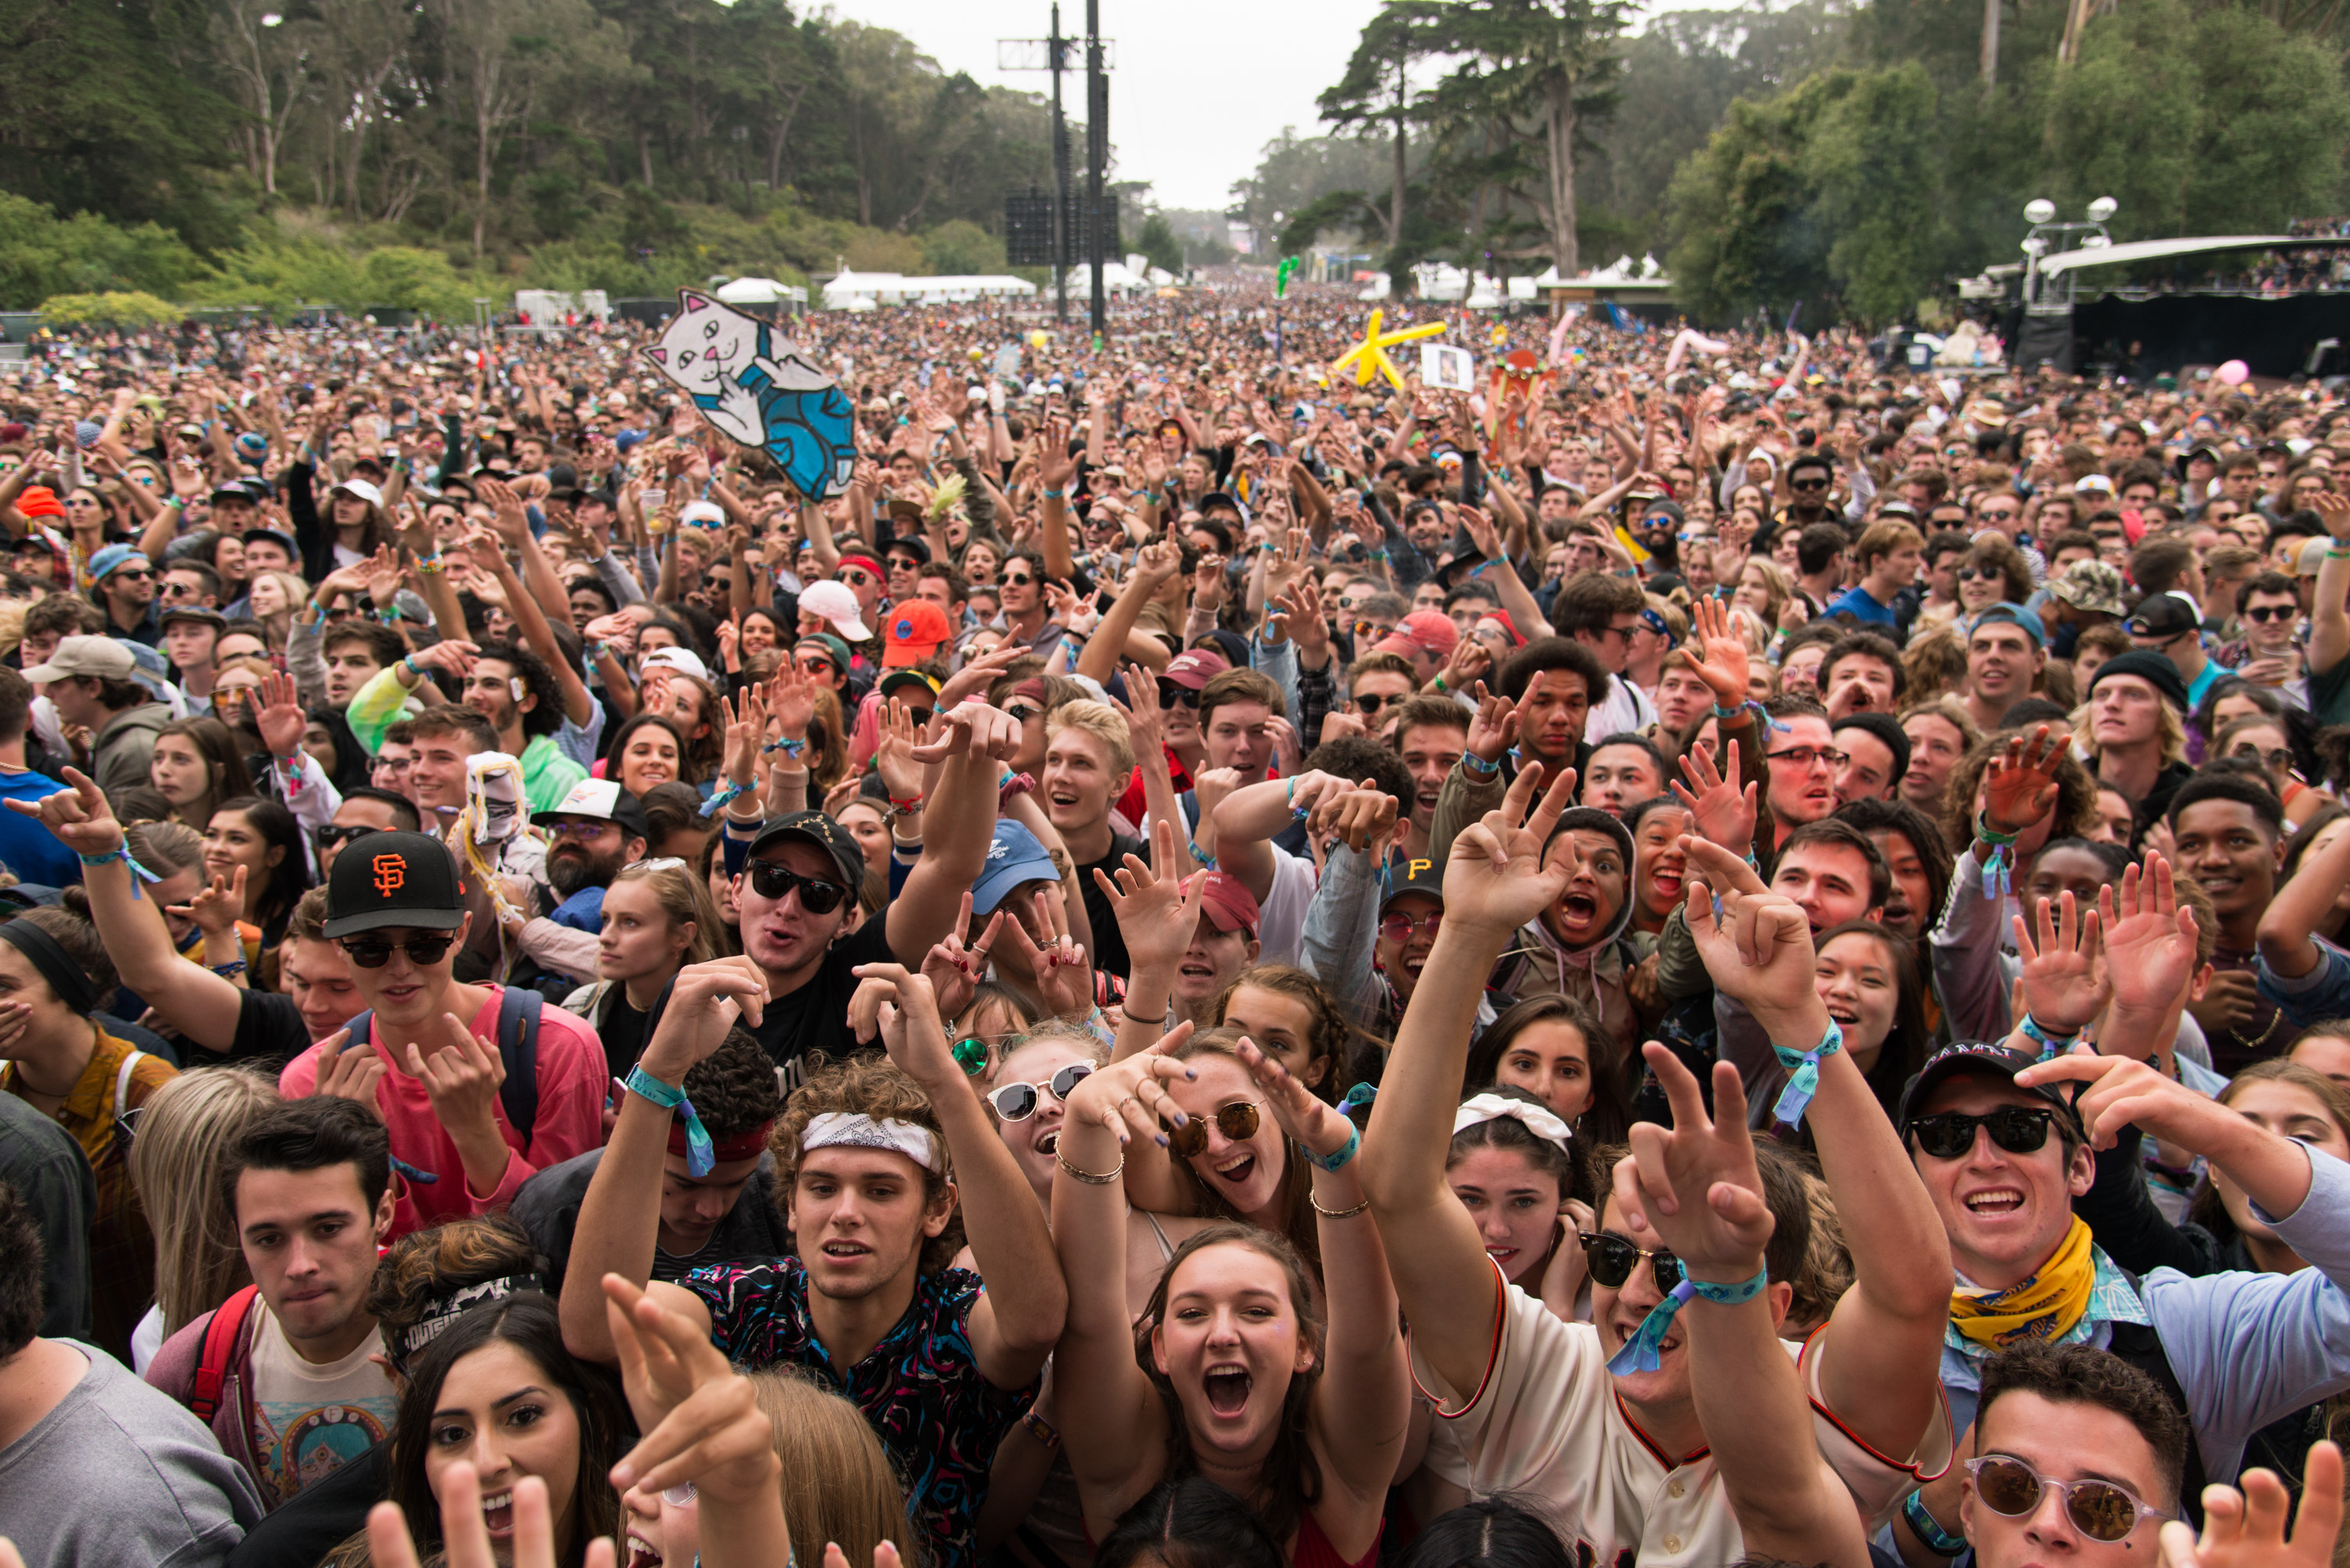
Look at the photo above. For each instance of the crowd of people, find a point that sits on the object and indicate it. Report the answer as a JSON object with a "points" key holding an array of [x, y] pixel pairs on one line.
{"points": [[1714, 955]]}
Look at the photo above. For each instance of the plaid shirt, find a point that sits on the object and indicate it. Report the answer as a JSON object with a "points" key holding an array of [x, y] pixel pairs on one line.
{"points": [[122, 1248]]}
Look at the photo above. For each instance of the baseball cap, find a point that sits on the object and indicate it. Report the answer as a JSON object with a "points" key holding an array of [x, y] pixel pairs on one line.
{"points": [[606, 800], [2093, 587], [912, 633], [2010, 613], [2313, 557], [912, 546], [834, 602], [833, 648], [100, 657], [2149, 667], [814, 827], [1983, 1058], [906, 680], [1431, 631], [1013, 858], [1194, 668], [397, 880], [359, 490], [1229, 905], [2092, 484], [2162, 615], [277, 536], [112, 559], [1419, 877], [683, 660]]}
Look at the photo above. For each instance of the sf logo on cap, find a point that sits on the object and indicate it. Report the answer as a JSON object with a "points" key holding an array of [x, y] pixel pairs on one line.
{"points": [[391, 870]]}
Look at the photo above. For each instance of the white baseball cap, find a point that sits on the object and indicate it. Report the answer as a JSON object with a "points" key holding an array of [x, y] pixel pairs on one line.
{"points": [[835, 603]]}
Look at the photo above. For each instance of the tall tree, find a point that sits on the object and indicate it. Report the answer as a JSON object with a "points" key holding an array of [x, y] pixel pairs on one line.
{"points": [[1377, 93]]}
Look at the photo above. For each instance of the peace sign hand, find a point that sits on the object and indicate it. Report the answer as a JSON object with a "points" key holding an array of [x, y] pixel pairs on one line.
{"points": [[1496, 879], [1697, 1187]]}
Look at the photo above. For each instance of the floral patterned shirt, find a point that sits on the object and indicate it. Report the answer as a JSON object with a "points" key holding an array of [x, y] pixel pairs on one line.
{"points": [[936, 1414]]}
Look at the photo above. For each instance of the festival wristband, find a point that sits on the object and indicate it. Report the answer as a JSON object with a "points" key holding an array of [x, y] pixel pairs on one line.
{"points": [[1640, 1352], [788, 746], [123, 852], [719, 797], [2050, 1044], [1999, 871], [1936, 1540], [1805, 1066], [1337, 1162], [1477, 767], [700, 1154]]}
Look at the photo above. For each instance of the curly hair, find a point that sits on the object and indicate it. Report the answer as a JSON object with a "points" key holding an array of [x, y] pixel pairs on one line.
{"points": [[424, 1265], [546, 716], [866, 1086], [1933, 664], [1292, 1480], [734, 1088], [2077, 794]]}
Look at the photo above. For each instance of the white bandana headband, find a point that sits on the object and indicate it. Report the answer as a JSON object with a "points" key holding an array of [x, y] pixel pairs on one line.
{"points": [[837, 1130], [1539, 1119]]}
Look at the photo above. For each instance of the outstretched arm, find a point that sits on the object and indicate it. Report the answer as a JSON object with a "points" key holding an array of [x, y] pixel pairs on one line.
{"points": [[1494, 882]]}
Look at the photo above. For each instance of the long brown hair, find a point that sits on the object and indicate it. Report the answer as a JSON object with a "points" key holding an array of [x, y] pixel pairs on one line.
{"points": [[1327, 1038], [1297, 1210], [1291, 1481], [223, 760], [838, 1484]]}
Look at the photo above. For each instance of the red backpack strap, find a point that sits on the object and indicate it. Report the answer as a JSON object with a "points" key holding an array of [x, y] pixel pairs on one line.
{"points": [[227, 1326]]}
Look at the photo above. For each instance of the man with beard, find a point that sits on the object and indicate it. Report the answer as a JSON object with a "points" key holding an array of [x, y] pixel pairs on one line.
{"points": [[514, 689], [591, 833]]}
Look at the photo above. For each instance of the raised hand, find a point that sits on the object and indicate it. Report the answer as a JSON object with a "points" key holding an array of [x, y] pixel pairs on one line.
{"points": [[705, 1003], [1697, 1186], [79, 818], [953, 968], [2246, 1529], [348, 1071], [1495, 729], [1757, 949], [279, 716], [1724, 814], [216, 909], [898, 1005], [1497, 877], [460, 1077], [466, 1531], [1314, 1122], [1155, 916], [2064, 984], [701, 1420], [893, 755], [2020, 782], [747, 734], [2150, 936], [1129, 1096]]}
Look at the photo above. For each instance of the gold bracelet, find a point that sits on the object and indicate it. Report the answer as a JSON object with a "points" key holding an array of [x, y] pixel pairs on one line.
{"points": [[1104, 1179], [1338, 1213]]}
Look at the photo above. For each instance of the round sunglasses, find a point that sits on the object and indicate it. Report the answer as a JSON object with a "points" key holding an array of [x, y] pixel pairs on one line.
{"points": [[2101, 1509], [1018, 1102], [1238, 1122]]}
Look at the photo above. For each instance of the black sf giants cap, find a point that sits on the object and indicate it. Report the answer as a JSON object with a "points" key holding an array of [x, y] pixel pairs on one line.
{"points": [[394, 879]]}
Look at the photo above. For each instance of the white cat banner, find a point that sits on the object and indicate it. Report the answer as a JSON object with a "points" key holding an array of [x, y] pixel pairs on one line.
{"points": [[760, 391]]}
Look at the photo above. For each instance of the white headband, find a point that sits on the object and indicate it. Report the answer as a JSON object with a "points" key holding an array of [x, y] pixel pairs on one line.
{"points": [[1539, 1120], [834, 1129]]}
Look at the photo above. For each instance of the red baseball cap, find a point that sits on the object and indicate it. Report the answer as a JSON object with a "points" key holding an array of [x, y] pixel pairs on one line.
{"points": [[39, 501], [1194, 669], [1430, 631], [1229, 905], [912, 633]]}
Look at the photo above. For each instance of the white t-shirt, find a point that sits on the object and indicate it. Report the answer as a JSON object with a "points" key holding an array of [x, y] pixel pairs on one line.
{"points": [[1281, 929], [1547, 1422], [311, 1420], [1625, 712]]}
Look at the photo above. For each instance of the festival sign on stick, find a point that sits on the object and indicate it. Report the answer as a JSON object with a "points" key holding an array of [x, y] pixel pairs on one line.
{"points": [[1448, 368], [760, 391]]}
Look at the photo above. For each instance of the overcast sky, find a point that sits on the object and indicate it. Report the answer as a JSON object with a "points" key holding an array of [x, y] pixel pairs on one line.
{"points": [[1199, 86]]}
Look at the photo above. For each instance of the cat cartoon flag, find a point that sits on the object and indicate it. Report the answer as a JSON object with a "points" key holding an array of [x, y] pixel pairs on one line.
{"points": [[759, 390]]}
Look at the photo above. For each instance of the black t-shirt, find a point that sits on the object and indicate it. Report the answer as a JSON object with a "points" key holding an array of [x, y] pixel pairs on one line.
{"points": [[1109, 942], [815, 1016], [268, 1027], [319, 1518], [547, 1206], [621, 1028]]}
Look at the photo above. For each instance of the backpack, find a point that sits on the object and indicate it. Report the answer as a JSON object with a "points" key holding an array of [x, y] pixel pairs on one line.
{"points": [[227, 1326], [122, 1124], [518, 1014]]}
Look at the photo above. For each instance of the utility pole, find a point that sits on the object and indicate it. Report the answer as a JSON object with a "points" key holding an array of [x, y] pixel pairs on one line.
{"points": [[1060, 177], [1097, 153]]}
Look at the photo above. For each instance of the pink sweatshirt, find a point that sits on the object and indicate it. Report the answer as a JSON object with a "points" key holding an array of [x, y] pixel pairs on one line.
{"points": [[571, 1094]]}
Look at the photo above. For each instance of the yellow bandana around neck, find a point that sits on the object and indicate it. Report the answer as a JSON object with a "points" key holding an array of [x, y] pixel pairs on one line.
{"points": [[2044, 1306]]}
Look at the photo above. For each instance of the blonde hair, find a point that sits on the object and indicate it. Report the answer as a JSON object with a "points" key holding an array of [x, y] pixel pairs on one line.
{"points": [[838, 1485], [2168, 726], [186, 1133], [684, 896], [1102, 721]]}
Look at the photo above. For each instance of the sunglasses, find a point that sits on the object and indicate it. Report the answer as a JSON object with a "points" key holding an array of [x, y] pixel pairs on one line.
{"points": [[856, 578], [2267, 613], [1371, 629], [1807, 484], [331, 835], [1237, 1122], [816, 664], [818, 896], [2003, 515], [1612, 1260], [2098, 1509], [1018, 1102], [1171, 695], [1979, 574], [423, 951], [2018, 1129], [1022, 581], [1399, 928], [1020, 713]]}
